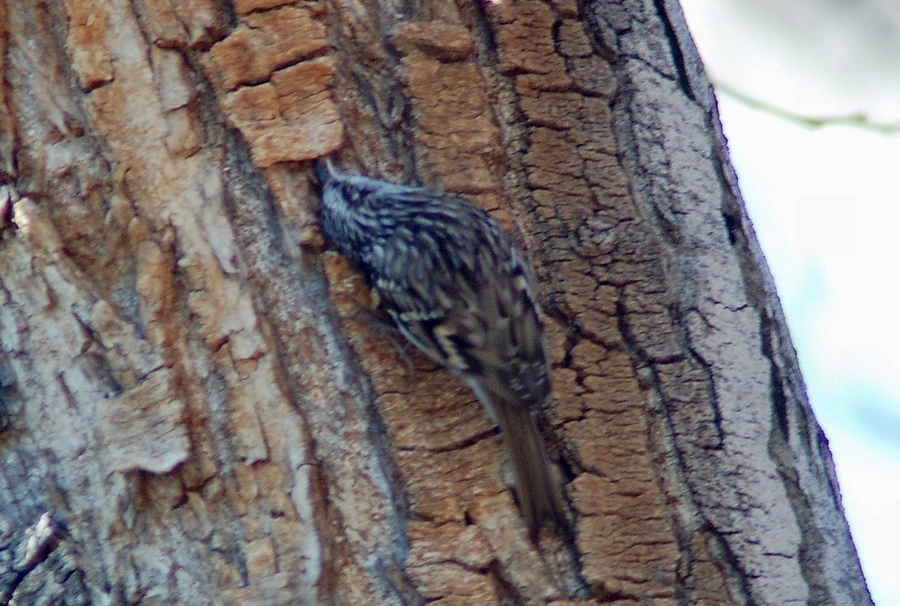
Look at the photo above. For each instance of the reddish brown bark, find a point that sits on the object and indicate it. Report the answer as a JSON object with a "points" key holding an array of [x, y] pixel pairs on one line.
{"points": [[197, 396]]}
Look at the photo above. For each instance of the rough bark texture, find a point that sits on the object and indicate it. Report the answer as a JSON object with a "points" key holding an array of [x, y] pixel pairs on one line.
{"points": [[198, 408]]}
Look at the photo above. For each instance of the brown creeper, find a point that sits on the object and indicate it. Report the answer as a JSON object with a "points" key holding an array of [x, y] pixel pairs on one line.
{"points": [[456, 287]]}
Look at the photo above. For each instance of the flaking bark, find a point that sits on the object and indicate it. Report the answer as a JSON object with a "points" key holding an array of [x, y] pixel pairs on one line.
{"points": [[197, 407]]}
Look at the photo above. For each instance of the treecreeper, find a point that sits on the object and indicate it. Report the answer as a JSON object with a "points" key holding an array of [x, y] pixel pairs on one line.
{"points": [[456, 287]]}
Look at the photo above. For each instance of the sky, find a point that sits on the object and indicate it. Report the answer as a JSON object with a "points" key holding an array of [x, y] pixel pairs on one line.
{"points": [[825, 204]]}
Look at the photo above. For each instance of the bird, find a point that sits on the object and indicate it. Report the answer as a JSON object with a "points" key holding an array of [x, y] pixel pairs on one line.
{"points": [[456, 287]]}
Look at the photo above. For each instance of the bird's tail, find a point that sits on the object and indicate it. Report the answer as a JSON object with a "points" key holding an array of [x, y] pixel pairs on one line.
{"points": [[539, 494]]}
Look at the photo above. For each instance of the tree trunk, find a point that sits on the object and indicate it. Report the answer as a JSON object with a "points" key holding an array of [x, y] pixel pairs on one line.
{"points": [[198, 407]]}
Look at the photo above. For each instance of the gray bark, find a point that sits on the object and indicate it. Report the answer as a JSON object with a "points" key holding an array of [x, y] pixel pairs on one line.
{"points": [[197, 407]]}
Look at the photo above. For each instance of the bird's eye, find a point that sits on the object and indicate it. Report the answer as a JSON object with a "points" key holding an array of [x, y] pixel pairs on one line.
{"points": [[357, 196]]}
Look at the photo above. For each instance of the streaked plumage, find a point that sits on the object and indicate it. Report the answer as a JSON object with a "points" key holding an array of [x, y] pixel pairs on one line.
{"points": [[456, 287]]}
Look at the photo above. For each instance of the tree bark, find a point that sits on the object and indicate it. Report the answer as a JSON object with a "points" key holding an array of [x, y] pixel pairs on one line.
{"points": [[198, 407]]}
